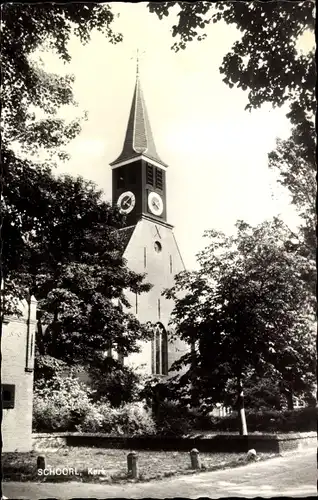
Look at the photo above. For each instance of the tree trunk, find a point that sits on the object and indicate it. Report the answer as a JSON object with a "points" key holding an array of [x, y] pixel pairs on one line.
{"points": [[194, 395], [241, 410]]}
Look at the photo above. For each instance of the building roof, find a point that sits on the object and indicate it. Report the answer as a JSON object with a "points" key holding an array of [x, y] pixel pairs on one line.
{"points": [[138, 139], [125, 234]]}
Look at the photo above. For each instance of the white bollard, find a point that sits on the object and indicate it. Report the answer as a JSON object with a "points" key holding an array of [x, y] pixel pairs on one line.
{"points": [[195, 459], [251, 454], [132, 464]]}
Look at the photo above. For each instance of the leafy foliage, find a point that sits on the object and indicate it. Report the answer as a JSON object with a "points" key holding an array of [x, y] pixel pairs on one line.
{"points": [[246, 313], [173, 419], [46, 367], [60, 405], [267, 63], [65, 404], [68, 254], [295, 160], [117, 383], [131, 419], [265, 60], [270, 393], [297, 420], [27, 88], [60, 240], [31, 98]]}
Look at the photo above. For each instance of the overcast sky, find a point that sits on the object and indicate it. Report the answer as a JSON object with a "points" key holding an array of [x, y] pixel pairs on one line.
{"points": [[217, 152]]}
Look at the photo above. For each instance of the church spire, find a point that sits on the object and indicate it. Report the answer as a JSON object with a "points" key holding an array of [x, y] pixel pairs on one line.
{"points": [[138, 139]]}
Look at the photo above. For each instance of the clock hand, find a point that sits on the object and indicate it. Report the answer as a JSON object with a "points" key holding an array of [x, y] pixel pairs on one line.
{"points": [[126, 202]]}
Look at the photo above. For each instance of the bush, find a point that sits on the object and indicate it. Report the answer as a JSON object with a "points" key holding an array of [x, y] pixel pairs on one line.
{"points": [[60, 404], [297, 420], [130, 419], [118, 384], [46, 367], [134, 419], [65, 404], [173, 419]]}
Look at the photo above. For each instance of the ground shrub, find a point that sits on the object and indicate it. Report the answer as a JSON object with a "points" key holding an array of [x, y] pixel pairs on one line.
{"points": [[135, 419], [60, 404], [66, 404], [116, 383], [173, 419], [297, 420], [130, 419]]}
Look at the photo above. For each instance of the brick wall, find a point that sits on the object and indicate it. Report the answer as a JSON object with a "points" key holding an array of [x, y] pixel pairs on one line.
{"points": [[17, 349], [227, 443]]}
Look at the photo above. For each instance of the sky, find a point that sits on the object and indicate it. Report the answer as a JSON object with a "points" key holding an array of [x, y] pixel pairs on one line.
{"points": [[216, 151]]}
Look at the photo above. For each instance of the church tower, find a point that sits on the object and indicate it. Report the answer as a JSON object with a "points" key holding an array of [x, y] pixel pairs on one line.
{"points": [[139, 188]]}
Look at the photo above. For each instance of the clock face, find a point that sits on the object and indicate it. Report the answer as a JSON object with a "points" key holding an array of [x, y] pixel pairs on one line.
{"points": [[126, 202], [155, 203]]}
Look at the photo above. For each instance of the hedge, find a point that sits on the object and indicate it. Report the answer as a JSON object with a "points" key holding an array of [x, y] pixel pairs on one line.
{"points": [[297, 420]]}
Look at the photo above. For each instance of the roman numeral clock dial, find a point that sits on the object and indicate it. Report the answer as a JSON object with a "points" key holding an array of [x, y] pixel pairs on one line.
{"points": [[126, 202]]}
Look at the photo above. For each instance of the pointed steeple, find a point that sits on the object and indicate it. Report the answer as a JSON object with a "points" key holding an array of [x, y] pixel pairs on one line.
{"points": [[138, 139]]}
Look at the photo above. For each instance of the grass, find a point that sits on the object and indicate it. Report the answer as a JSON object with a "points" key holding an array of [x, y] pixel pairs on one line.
{"points": [[112, 464]]}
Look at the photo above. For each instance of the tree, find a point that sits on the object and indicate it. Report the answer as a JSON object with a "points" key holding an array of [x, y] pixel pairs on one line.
{"points": [[31, 96], [59, 239], [265, 61], [30, 101], [295, 160], [246, 313], [68, 254], [118, 384]]}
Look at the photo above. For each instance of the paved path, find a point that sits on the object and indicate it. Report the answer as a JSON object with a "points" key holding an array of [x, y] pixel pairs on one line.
{"points": [[294, 475]]}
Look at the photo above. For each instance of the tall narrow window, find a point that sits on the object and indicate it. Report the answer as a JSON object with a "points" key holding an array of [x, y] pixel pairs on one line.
{"points": [[145, 257], [29, 351], [159, 178], [7, 395], [149, 174], [170, 263], [153, 353], [164, 351], [159, 350], [31, 346], [159, 309]]}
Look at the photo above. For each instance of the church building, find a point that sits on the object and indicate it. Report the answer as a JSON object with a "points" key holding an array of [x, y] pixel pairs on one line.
{"points": [[17, 363], [139, 188]]}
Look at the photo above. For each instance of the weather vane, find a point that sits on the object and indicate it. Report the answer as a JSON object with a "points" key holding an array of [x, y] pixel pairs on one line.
{"points": [[138, 57]]}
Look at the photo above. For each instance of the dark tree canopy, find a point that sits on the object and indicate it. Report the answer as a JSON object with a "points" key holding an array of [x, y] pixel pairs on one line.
{"points": [[265, 60], [246, 313], [60, 240], [64, 248], [294, 158], [27, 88]]}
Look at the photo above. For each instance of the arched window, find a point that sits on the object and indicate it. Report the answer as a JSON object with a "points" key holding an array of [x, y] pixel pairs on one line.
{"points": [[159, 350]]}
